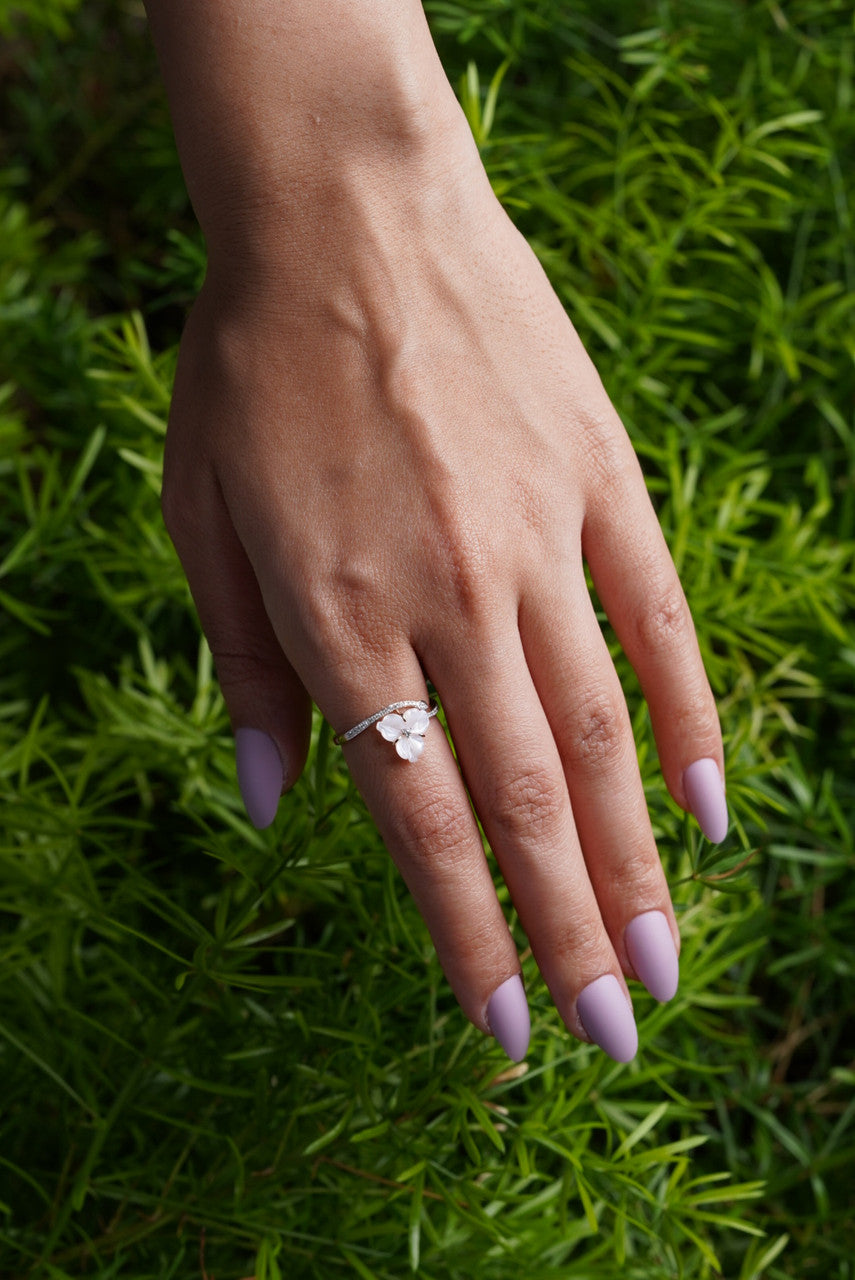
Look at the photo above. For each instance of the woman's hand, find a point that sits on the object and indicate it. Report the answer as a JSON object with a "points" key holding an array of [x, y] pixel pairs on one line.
{"points": [[388, 458]]}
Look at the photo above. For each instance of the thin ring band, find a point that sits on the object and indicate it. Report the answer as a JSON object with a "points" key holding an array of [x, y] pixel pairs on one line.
{"points": [[431, 709]]}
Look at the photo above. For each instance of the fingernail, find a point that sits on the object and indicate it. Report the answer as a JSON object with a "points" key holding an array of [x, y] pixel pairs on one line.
{"points": [[652, 954], [705, 793], [508, 1018], [607, 1018], [259, 771]]}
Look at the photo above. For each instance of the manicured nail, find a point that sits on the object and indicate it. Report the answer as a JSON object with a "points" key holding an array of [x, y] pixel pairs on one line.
{"points": [[507, 1017], [259, 771], [652, 954], [705, 794], [607, 1018]]}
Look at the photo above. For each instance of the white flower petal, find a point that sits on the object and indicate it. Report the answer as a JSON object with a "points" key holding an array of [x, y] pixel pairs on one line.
{"points": [[410, 748], [417, 720], [391, 727]]}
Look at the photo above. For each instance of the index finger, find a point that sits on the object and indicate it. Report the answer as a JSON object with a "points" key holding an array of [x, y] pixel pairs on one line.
{"points": [[640, 590]]}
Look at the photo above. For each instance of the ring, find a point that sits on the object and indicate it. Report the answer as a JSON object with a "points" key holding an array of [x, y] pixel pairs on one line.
{"points": [[407, 731]]}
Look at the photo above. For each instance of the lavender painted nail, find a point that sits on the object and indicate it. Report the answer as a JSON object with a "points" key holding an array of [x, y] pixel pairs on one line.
{"points": [[607, 1018], [652, 954], [705, 794], [259, 771], [508, 1018]]}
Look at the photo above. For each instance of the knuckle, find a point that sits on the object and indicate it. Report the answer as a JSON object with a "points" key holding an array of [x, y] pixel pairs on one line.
{"points": [[348, 616], [609, 457], [528, 806], [666, 620], [695, 711], [479, 947], [458, 553], [238, 666], [464, 572], [353, 600], [435, 827], [540, 516], [581, 938], [596, 736], [636, 877]]}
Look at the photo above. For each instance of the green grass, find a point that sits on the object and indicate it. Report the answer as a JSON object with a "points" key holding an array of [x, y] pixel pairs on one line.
{"points": [[230, 1053]]}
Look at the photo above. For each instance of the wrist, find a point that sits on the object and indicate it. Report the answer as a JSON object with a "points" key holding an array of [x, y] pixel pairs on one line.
{"points": [[350, 227], [280, 114]]}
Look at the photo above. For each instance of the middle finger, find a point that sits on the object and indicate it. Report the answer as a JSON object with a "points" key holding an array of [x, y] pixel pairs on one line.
{"points": [[514, 774]]}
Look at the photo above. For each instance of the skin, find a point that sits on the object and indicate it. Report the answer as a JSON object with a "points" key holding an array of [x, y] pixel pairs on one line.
{"points": [[389, 457]]}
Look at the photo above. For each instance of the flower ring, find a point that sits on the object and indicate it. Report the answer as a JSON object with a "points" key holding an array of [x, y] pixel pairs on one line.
{"points": [[407, 731]]}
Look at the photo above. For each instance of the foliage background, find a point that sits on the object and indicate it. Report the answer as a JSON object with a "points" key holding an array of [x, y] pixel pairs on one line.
{"points": [[229, 1053]]}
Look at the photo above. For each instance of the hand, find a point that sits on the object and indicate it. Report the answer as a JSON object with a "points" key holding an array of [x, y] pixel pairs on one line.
{"points": [[388, 456]]}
